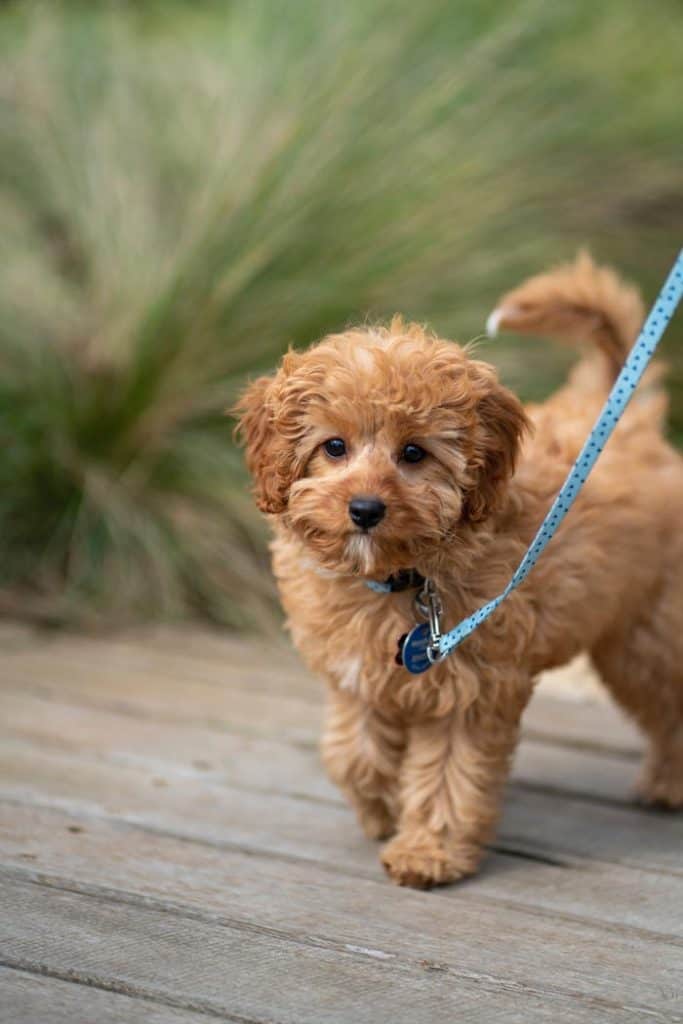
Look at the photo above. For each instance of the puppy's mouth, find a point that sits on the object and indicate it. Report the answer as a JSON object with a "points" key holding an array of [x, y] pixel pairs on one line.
{"points": [[362, 551], [369, 550]]}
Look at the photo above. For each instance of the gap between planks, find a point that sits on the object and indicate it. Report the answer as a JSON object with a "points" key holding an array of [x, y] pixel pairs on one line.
{"points": [[252, 672], [606, 831], [37, 994], [258, 957], [176, 747], [108, 880], [535, 808]]}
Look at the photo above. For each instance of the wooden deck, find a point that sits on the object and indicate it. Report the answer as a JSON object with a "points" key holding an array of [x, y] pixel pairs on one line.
{"points": [[171, 853]]}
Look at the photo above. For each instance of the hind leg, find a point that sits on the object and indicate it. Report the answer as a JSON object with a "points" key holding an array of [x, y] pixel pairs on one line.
{"points": [[642, 666]]}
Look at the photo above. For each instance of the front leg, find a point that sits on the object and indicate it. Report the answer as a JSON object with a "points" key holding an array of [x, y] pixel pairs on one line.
{"points": [[451, 781], [362, 750]]}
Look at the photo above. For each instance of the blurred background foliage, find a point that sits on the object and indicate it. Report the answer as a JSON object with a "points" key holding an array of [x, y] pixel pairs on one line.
{"points": [[188, 188]]}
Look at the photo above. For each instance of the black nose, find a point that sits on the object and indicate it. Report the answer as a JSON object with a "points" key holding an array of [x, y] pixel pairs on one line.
{"points": [[366, 512]]}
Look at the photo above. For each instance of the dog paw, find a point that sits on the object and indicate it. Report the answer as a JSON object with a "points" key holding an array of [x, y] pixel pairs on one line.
{"points": [[661, 781], [422, 866], [661, 792]]}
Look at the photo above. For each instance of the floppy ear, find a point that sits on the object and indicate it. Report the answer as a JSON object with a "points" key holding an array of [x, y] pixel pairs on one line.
{"points": [[270, 425], [500, 425], [256, 430]]}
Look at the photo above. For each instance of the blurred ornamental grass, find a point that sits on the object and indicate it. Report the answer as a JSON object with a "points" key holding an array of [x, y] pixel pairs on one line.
{"points": [[187, 189]]}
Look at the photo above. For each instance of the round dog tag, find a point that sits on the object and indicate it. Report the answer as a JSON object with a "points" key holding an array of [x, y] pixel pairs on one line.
{"points": [[414, 649]]}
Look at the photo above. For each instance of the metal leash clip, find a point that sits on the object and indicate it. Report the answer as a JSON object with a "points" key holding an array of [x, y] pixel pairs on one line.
{"points": [[428, 604], [421, 647]]}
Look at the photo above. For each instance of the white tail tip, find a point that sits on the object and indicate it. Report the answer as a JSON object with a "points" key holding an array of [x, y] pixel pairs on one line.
{"points": [[493, 322]]}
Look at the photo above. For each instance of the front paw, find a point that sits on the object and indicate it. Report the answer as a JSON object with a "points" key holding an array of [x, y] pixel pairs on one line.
{"points": [[660, 792], [661, 781], [424, 862]]}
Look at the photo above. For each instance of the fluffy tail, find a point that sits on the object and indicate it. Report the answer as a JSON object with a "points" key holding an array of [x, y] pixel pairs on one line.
{"points": [[575, 302]]}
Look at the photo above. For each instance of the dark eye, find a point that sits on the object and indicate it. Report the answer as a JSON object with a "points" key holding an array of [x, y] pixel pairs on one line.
{"points": [[335, 447], [413, 453]]}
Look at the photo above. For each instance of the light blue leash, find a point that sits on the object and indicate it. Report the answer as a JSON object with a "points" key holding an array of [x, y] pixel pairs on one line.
{"points": [[424, 645]]}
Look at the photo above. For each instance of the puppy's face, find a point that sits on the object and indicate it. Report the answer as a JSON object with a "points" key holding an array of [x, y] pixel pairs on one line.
{"points": [[374, 446]]}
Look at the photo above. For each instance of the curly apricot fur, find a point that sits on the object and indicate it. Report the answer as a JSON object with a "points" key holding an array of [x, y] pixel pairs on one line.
{"points": [[427, 757]]}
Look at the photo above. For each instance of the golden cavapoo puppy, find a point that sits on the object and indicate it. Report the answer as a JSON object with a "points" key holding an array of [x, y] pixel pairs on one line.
{"points": [[385, 452]]}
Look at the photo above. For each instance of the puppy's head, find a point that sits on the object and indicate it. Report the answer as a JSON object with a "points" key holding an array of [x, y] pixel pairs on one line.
{"points": [[376, 444]]}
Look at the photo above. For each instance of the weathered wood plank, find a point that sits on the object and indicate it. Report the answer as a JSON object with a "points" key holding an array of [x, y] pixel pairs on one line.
{"points": [[176, 749], [583, 725], [221, 709], [266, 762], [286, 974], [193, 638], [111, 853], [186, 671], [261, 667], [270, 820], [168, 698], [191, 833], [35, 999], [255, 974], [577, 773]]}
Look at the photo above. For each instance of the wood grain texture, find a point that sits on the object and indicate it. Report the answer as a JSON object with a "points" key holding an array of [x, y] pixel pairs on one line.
{"points": [[38, 999], [182, 670], [125, 856], [268, 760], [218, 964], [170, 851], [241, 810]]}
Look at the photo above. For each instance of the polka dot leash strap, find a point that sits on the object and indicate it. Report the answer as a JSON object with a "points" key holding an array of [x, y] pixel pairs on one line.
{"points": [[416, 655]]}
